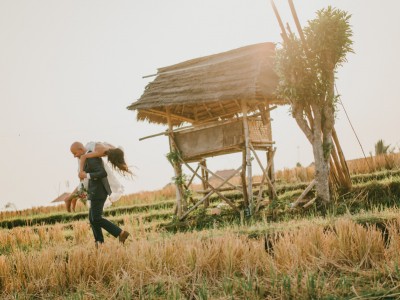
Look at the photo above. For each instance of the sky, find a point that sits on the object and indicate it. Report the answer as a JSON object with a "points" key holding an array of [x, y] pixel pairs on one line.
{"points": [[69, 69]]}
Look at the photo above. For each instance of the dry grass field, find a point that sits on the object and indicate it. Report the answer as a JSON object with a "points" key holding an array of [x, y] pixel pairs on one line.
{"points": [[306, 259], [298, 256]]}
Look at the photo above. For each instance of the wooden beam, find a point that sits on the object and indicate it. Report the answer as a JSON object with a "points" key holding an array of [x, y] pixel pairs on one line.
{"points": [[173, 116], [222, 107], [208, 111]]}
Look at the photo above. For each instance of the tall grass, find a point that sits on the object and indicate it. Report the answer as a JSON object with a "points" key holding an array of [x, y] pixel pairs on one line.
{"points": [[308, 263]]}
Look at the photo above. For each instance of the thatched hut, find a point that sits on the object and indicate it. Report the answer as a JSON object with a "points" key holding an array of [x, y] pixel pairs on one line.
{"points": [[225, 99]]}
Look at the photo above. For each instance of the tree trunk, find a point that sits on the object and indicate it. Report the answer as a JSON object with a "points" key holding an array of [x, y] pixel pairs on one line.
{"points": [[321, 172], [320, 150]]}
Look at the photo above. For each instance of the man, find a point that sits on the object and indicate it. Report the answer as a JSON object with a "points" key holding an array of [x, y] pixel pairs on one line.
{"points": [[98, 191]]}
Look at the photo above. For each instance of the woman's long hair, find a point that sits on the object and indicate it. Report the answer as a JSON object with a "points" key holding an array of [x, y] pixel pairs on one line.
{"points": [[117, 160]]}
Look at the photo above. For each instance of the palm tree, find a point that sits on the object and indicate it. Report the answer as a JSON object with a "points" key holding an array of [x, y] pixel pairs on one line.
{"points": [[381, 148]]}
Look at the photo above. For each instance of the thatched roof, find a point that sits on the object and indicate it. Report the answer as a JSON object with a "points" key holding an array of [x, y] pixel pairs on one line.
{"points": [[211, 87]]}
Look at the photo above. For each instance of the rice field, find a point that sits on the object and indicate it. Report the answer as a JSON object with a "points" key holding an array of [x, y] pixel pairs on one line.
{"points": [[303, 259], [349, 254]]}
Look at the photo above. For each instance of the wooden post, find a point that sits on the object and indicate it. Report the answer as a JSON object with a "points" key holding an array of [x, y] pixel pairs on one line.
{"points": [[204, 175], [270, 151], [243, 178], [248, 156], [180, 201]]}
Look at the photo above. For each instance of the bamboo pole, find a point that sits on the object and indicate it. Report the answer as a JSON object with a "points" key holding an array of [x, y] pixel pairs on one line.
{"points": [[303, 194], [248, 156], [177, 169], [297, 22], [336, 167], [204, 175], [270, 152], [345, 168], [278, 17], [243, 178]]}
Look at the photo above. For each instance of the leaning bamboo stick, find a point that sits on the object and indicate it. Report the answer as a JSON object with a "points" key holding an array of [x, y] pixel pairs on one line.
{"points": [[278, 17], [303, 194], [297, 22], [345, 168]]}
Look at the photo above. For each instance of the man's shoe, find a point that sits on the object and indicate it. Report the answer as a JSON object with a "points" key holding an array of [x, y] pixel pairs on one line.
{"points": [[123, 236]]}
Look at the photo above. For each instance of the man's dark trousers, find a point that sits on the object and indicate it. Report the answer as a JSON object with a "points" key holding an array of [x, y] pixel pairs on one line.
{"points": [[98, 190], [98, 222]]}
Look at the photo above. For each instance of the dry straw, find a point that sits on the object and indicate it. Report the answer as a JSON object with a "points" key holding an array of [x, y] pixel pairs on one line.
{"points": [[219, 263]]}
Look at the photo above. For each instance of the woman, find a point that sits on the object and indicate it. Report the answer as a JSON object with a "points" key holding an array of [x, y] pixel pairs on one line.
{"points": [[116, 158]]}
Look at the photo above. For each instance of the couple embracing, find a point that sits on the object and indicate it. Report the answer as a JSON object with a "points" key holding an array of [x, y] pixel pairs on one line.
{"points": [[93, 171]]}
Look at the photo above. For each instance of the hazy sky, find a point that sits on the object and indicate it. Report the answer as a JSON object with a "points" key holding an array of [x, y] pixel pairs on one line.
{"points": [[68, 69]]}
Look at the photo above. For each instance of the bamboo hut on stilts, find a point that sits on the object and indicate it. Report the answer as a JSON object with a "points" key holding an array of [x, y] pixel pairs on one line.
{"points": [[216, 105]]}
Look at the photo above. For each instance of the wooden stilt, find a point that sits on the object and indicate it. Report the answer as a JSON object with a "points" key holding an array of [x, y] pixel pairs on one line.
{"points": [[248, 157], [270, 151], [271, 171], [243, 178], [177, 168], [204, 175]]}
